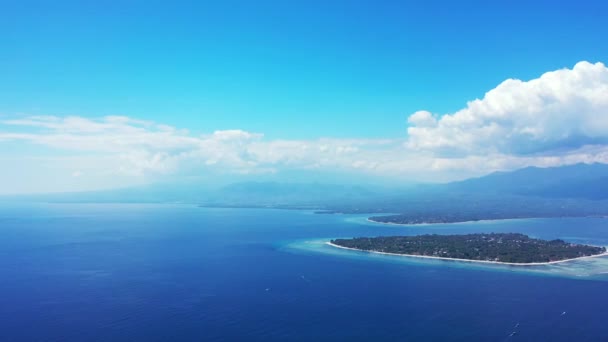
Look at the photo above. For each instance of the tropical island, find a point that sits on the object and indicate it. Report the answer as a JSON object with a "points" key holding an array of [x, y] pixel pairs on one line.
{"points": [[507, 248], [449, 217]]}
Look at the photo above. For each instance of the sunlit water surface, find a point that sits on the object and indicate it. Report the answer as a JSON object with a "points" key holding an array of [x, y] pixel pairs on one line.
{"points": [[125, 272]]}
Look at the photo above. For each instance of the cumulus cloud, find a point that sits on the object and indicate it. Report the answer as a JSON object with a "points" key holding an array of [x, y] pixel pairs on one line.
{"points": [[557, 119], [563, 109], [139, 148], [130, 150], [422, 118]]}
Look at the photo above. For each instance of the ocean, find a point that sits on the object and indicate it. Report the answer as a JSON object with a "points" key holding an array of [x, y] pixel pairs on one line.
{"points": [[163, 272]]}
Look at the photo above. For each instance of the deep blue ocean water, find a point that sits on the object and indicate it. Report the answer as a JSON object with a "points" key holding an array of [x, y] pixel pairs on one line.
{"points": [[127, 272]]}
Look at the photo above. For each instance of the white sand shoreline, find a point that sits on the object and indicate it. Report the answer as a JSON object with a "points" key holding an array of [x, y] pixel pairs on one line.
{"points": [[469, 260], [444, 223], [477, 221]]}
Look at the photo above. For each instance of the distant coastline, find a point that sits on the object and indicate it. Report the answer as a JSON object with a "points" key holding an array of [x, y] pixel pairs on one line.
{"points": [[403, 219], [470, 260], [370, 219], [412, 223]]}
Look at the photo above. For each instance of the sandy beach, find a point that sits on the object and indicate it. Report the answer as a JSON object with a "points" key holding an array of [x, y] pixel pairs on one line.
{"points": [[443, 223], [469, 260]]}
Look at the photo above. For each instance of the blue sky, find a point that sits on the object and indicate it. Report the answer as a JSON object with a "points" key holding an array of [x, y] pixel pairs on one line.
{"points": [[289, 70], [279, 67]]}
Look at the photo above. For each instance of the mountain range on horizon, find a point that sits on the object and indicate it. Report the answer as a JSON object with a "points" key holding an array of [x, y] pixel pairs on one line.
{"points": [[578, 181], [585, 181]]}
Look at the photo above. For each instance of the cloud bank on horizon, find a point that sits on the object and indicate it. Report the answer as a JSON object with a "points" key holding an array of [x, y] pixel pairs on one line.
{"points": [[559, 118]]}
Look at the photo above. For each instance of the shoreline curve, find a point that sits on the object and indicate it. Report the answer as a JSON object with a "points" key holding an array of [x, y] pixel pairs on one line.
{"points": [[470, 260]]}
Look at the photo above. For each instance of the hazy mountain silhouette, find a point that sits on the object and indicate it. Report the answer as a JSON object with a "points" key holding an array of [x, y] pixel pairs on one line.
{"points": [[589, 181]]}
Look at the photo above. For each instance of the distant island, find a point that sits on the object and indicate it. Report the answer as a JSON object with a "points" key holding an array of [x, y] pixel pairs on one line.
{"points": [[449, 217], [507, 248]]}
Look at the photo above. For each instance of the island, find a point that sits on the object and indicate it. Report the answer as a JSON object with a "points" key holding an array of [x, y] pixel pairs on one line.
{"points": [[506, 248], [450, 217]]}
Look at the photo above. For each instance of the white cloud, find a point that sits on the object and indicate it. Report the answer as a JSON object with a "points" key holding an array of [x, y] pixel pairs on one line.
{"points": [[141, 148], [236, 135], [560, 118], [422, 118], [566, 108]]}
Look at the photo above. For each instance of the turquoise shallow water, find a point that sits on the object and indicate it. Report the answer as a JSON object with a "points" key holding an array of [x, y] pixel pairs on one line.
{"points": [[587, 268], [131, 272]]}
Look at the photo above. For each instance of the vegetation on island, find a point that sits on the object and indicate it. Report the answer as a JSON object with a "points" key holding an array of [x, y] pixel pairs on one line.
{"points": [[451, 217], [497, 247]]}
